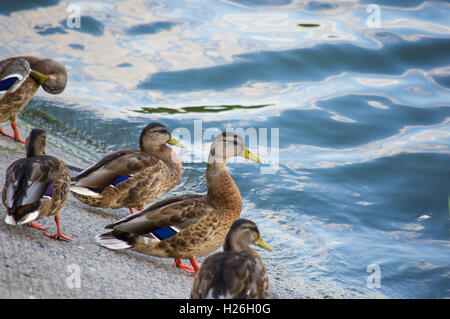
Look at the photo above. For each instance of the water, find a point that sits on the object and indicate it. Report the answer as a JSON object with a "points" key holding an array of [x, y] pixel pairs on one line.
{"points": [[362, 111]]}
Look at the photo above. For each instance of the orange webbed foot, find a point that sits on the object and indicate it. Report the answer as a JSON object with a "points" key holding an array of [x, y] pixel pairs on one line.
{"points": [[140, 208], [2, 132], [192, 270], [59, 236], [16, 133], [37, 226]]}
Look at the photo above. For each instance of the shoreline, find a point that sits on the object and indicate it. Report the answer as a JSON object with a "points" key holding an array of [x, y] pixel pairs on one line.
{"points": [[34, 266]]}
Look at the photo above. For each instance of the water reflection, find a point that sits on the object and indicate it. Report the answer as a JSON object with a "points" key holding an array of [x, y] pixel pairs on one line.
{"points": [[151, 28], [8, 7], [87, 24], [199, 109]]}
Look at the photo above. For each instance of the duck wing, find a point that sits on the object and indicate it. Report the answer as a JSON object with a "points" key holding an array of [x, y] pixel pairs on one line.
{"points": [[180, 211], [226, 275], [113, 167], [27, 182], [13, 72]]}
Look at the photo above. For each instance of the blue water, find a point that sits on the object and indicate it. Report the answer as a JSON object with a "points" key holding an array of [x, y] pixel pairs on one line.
{"points": [[361, 105]]}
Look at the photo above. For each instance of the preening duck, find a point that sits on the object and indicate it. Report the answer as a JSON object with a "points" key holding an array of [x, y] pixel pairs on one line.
{"points": [[130, 177], [20, 78], [187, 226], [238, 272], [36, 186]]}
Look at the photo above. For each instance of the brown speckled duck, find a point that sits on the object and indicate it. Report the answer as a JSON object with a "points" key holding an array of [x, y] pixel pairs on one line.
{"points": [[130, 177], [187, 226], [20, 78], [36, 186], [236, 273]]}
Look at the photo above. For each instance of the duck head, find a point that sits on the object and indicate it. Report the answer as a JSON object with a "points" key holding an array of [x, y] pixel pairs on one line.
{"points": [[35, 143], [227, 145], [154, 136], [241, 235], [50, 74]]}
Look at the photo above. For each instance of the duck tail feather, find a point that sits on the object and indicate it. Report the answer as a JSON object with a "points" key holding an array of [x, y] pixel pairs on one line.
{"points": [[116, 240]]}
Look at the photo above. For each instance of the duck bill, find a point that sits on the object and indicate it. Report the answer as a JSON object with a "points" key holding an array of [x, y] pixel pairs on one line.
{"points": [[38, 76], [249, 155], [173, 141], [262, 244]]}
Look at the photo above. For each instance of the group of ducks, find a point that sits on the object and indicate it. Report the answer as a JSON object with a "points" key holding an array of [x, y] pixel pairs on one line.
{"points": [[180, 227]]}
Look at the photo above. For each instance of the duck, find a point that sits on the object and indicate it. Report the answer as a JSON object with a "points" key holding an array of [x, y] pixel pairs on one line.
{"points": [[36, 186], [238, 272], [20, 78], [130, 177], [191, 225]]}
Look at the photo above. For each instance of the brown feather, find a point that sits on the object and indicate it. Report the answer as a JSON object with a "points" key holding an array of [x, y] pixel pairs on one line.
{"points": [[152, 172], [202, 221], [14, 102], [236, 273], [41, 169]]}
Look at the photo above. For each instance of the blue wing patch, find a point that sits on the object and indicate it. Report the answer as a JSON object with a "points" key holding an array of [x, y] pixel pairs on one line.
{"points": [[164, 233], [6, 84], [121, 179], [49, 191]]}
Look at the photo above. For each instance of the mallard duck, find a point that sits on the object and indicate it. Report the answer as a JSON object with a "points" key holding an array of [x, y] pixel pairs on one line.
{"points": [[238, 272], [20, 78], [187, 226], [36, 186], [130, 177]]}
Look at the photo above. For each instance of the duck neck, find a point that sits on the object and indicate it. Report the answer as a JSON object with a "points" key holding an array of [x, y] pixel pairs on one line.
{"points": [[168, 156], [33, 149], [237, 247], [222, 191], [31, 60], [31, 152]]}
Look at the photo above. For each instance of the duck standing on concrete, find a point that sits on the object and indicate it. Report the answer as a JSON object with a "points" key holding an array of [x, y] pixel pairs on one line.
{"points": [[131, 177], [187, 226], [36, 186]]}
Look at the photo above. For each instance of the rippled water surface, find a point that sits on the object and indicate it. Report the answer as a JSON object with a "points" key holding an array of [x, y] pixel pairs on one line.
{"points": [[361, 105]]}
